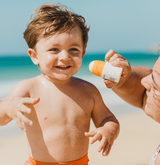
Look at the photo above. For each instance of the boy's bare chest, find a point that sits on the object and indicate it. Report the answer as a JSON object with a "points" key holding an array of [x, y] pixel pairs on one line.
{"points": [[63, 108]]}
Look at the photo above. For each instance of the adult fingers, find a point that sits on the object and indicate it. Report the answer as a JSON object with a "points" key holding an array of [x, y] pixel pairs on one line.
{"points": [[109, 83], [109, 54], [119, 62]]}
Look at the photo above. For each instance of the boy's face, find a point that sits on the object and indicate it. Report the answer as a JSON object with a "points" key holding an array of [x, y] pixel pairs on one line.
{"points": [[59, 56]]}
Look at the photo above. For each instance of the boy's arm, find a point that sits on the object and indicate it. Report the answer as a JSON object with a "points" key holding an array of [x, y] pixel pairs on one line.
{"points": [[4, 118], [14, 106], [106, 123]]}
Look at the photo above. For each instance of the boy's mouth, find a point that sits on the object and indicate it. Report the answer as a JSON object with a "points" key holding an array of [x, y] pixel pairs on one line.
{"points": [[63, 67]]}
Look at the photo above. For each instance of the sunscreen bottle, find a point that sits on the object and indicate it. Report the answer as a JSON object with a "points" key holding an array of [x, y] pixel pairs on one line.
{"points": [[105, 70]]}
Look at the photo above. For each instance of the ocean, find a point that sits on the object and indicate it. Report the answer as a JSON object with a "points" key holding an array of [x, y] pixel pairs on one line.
{"points": [[16, 68], [21, 67]]}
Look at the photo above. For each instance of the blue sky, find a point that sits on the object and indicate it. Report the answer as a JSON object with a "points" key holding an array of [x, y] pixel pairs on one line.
{"points": [[122, 25]]}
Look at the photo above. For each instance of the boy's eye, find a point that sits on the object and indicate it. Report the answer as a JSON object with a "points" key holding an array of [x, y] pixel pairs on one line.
{"points": [[73, 49], [54, 49]]}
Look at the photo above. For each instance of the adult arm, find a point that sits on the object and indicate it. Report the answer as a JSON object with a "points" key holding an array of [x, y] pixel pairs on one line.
{"points": [[129, 88], [132, 90]]}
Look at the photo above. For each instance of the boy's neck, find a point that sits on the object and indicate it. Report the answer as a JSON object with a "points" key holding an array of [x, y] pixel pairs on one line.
{"points": [[56, 81]]}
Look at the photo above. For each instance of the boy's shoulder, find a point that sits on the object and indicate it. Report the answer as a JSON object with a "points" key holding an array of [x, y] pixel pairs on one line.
{"points": [[28, 82], [85, 84], [23, 87], [88, 89], [82, 81]]}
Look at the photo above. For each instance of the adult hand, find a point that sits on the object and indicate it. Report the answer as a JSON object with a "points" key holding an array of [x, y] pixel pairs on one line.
{"points": [[119, 61]]}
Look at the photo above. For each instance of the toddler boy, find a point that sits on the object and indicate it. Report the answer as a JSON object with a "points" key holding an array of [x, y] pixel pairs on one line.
{"points": [[54, 109]]}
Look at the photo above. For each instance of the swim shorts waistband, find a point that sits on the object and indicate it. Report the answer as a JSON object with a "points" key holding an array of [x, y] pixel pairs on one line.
{"points": [[82, 161]]}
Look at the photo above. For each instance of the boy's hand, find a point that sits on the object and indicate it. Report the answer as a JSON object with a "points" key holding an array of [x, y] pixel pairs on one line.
{"points": [[117, 60], [106, 139], [19, 108]]}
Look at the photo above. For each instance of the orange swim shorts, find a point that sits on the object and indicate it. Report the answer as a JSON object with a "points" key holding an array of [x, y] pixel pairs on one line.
{"points": [[82, 161]]}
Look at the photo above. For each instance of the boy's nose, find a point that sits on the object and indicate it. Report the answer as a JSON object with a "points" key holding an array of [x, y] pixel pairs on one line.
{"points": [[64, 55]]}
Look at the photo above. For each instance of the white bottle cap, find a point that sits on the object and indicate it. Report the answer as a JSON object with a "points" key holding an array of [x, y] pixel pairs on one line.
{"points": [[91, 66]]}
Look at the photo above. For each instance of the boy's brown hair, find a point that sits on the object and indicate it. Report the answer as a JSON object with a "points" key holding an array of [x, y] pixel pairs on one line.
{"points": [[50, 19]]}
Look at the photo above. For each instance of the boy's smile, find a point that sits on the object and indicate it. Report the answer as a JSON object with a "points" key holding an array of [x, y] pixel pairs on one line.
{"points": [[59, 56], [63, 67]]}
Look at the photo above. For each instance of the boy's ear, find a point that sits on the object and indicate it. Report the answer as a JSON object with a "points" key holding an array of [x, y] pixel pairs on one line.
{"points": [[84, 51], [33, 55]]}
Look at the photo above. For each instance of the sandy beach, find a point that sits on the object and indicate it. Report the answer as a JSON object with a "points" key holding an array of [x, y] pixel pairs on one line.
{"points": [[135, 145]]}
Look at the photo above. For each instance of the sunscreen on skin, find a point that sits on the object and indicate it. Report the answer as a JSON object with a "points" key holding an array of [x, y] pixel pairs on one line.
{"points": [[105, 70]]}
